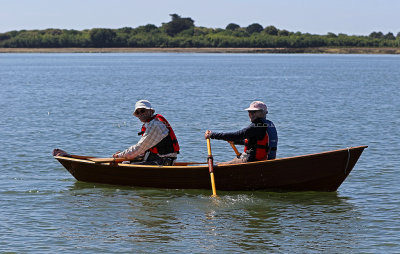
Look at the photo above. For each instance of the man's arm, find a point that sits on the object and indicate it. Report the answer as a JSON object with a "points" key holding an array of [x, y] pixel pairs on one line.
{"points": [[237, 136], [155, 132]]}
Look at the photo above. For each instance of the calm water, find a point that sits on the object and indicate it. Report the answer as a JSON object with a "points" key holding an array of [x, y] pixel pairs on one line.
{"points": [[83, 104]]}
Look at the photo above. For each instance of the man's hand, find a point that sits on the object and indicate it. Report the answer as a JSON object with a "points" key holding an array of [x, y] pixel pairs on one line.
{"points": [[207, 134], [115, 155]]}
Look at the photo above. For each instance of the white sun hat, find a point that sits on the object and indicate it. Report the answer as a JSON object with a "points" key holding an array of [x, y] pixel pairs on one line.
{"points": [[143, 104]]}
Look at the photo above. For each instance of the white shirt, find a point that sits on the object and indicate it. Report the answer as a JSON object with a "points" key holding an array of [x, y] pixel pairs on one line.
{"points": [[155, 132]]}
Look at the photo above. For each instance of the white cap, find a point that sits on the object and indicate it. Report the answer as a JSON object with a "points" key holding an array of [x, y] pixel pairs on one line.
{"points": [[143, 104], [257, 105]]}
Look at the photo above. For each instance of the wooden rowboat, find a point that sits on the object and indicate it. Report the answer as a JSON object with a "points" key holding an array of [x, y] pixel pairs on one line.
{"points": [[324, 171]]}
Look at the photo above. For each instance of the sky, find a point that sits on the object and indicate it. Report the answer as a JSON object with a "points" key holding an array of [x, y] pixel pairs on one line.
{"points": [[352, 17]]}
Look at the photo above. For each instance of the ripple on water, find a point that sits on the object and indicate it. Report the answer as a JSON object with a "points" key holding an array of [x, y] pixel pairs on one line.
{"points": [[318, 103]]}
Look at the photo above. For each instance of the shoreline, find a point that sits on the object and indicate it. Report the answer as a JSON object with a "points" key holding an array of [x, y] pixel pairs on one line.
{"points": [[321, 50]]}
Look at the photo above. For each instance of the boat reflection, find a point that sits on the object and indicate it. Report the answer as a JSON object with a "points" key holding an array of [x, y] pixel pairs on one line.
{"points": [[246, 221]]}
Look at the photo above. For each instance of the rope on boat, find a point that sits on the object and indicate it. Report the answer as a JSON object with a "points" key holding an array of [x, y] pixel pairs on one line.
{"points": [[348, 160]]}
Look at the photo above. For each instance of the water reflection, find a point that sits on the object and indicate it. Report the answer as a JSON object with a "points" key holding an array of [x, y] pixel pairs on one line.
{"points": [[187, 219]]}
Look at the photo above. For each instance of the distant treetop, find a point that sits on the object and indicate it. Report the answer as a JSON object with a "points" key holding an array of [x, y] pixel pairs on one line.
{"points": [[254, 28], [232, 26], [177, 25]]}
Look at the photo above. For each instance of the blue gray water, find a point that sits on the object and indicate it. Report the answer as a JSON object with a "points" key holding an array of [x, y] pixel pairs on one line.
{"points": [[83, 103]]}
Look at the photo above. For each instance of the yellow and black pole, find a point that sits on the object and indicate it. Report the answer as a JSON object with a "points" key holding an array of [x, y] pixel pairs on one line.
{"points": [[211, 167]]}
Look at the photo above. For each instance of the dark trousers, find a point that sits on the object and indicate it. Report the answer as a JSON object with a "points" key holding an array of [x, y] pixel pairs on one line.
{"points": [[154, 159]]}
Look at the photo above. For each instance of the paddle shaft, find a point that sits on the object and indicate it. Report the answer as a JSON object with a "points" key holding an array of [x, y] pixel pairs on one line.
{"points": [[235, 149], [105, 160], [80, 157], [211, 167], [117, 160], [188, 163]]}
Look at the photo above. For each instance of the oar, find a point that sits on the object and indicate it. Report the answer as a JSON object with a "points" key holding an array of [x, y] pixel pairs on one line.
{"points": [[80, 157], [188, 163], [234, 149], [62, 153], [211, 168], [117, 160], [105, 160]]}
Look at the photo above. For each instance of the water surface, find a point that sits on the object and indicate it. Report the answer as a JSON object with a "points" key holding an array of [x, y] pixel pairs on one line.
{"points": [[83, 104]]}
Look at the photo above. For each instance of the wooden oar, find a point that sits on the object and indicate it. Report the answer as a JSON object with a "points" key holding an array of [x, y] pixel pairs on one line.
{"points": [[188, 163], [80, 157], [211, 168], [105, 160], [117, 160], [62, 153], [59, 152], [234, 149]]}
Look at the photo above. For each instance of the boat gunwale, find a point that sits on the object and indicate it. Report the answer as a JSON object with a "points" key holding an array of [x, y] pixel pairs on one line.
{"points": [[206, 166], [294, 157]]}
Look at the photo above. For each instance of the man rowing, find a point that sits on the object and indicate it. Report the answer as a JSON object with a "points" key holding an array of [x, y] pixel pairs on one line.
{"points": [[260, 138]]}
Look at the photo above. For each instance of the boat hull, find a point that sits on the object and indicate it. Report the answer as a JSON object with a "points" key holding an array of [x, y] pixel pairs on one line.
{"points": [[315, 172]]}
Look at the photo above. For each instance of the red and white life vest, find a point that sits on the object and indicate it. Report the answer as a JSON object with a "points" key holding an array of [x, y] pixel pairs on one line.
{"points": [[169, 144]]}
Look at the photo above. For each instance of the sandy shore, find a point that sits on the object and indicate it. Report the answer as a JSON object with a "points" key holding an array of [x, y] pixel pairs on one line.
{"points": [[206, 50]]}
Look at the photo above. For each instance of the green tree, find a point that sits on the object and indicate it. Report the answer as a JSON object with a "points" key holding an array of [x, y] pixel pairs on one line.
{"points": [[271, 30], [232, 26], [389, 36], [283, 33], [254, 28], [177, 24], [126, 30], [101, 37], [147, 28], [53, 31], [331, 35], [4, 36], [377, 35]]}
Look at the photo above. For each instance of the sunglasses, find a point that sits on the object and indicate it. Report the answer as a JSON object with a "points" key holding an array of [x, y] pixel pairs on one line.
{"points": [[252, 111], [140, 111]]}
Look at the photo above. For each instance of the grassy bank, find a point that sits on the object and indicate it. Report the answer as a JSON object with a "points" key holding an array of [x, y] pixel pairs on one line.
{"points": [[207, 50]]}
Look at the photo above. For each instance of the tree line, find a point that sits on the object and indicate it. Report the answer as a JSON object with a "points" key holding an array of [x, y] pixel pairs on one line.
{"points": [[182, 32]]}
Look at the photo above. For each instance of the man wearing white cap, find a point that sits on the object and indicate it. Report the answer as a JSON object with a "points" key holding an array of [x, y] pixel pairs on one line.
{"points": [[259, 138], [158, 144]]}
